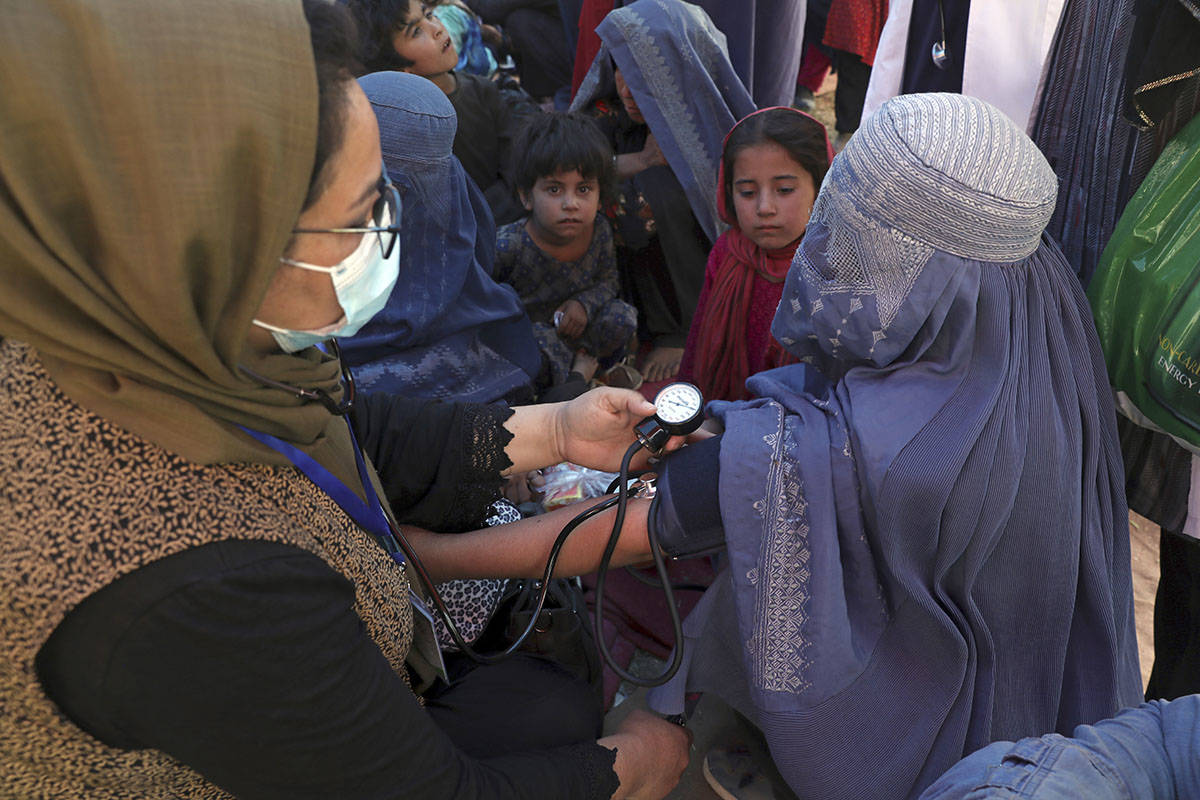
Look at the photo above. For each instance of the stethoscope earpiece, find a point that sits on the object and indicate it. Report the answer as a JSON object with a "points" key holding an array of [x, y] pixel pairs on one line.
{"points": [[941, 58], [938, 53]]}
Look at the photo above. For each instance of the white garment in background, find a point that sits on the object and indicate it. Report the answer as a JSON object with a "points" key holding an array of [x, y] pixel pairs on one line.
{"points": [[1007, 45]]}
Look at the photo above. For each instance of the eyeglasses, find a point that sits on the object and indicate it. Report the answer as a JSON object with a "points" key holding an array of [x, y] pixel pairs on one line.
{"points": [[385, 215]]}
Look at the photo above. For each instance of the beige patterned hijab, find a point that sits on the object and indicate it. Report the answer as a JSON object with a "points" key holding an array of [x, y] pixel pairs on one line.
{"points": [[153, 160]]}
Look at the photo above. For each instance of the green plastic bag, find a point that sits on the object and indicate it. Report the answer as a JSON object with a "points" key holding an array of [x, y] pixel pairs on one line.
{"points": [[1145, 296]]}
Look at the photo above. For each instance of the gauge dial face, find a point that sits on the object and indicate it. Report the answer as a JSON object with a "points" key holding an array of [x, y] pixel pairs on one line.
{"points": [[678, 403]]}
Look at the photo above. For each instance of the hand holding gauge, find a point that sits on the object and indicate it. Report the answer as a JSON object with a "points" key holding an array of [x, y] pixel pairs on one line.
{"points": [[679, 410]]}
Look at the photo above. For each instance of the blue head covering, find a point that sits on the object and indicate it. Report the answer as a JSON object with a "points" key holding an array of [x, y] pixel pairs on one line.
{"points": [[448, 330], [675, 62], [926, 523]]}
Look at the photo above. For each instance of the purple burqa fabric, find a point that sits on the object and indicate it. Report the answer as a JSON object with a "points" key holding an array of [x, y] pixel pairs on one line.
{"points": [[925, 520], [766, 38]]}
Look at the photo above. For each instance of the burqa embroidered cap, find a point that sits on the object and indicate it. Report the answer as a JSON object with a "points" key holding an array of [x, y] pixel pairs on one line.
{"points": [[986, 193], [926, 173]]}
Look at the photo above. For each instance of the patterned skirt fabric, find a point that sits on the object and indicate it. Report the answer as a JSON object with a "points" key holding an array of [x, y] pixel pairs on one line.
{"points": [[472, 602]]}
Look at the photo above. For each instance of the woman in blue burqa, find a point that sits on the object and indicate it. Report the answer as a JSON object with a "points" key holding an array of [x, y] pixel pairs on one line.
{"points": [[664, 94], [925, 520], [452, 332]]}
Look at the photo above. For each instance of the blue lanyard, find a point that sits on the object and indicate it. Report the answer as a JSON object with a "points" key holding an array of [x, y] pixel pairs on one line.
{"points": [[369, 515]]}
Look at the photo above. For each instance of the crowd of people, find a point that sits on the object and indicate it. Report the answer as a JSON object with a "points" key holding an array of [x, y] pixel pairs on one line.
{"points": [[302, 296]]}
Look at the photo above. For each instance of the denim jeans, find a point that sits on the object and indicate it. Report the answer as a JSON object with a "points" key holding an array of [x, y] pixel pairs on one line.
{"points": [[1146, 753]]}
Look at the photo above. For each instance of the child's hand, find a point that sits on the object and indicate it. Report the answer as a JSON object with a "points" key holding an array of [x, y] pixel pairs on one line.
{"points": [[585, 364], [570, 319], [652, 154], [523, 488]]}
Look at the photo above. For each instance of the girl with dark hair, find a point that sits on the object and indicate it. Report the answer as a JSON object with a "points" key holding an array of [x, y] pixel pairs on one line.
{"points": [[771, 167]]}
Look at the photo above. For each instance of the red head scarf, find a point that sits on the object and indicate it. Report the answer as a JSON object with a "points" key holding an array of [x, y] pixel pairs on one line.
{"points": [[722, 360]]}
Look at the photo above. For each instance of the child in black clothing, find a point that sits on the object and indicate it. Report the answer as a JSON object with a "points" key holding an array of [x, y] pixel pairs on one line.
{"points": [[561, 258], [405, 35]]}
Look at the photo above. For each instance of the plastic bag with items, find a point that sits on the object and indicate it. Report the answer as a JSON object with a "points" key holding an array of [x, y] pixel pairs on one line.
{"points": [[1145, 295], [568, 483]]}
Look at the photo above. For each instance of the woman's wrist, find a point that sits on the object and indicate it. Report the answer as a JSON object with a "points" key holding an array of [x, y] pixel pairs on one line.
{"points": [[651, 754], [537, 437], [559, 431], [625, 748]]}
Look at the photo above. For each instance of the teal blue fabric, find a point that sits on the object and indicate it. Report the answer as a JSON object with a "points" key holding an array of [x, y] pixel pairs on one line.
{"points": [[473, 55]]}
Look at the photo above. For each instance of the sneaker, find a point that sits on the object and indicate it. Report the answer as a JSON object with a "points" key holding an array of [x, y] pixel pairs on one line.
{"points": [[732, 773], [622, 376]]}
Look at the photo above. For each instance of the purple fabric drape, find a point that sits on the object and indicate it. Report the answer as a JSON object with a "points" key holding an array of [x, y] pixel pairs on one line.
{"points": [[766, 40]]}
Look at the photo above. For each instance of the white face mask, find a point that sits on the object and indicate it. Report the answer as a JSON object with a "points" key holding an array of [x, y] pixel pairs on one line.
{"points": [[363, 283]]}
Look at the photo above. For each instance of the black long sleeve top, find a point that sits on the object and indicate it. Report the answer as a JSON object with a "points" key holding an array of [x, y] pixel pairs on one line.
{"points": [[246, 660]]}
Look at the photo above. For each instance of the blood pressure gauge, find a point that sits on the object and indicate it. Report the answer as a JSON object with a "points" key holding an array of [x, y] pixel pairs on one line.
{"points": [[678, 410]]}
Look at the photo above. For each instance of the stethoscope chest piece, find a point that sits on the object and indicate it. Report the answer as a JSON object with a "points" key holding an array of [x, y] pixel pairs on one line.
{"points": [[938, 54]]}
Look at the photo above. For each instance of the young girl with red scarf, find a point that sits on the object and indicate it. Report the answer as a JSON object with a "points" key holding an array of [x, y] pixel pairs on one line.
{"points": [[771, 168]]}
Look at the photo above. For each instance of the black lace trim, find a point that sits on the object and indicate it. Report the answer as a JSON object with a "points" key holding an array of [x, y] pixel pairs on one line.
{"points": [[482, 443]]}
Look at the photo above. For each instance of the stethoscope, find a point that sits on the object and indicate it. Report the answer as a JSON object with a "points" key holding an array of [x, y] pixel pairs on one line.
{"points": [[679, 411]]}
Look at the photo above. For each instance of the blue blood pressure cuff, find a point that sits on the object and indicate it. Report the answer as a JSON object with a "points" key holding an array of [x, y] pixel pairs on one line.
{"points": [[685, 515]]}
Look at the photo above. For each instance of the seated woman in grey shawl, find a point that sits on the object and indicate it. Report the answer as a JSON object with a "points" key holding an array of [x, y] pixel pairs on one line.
{"points": [[924, 519]]}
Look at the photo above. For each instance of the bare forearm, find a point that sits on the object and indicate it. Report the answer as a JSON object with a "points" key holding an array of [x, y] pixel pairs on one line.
{"points": [[519, 549], [629, 164]]}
